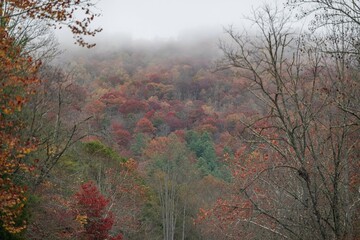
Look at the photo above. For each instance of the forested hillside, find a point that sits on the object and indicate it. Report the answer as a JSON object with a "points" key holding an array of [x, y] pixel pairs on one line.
{"points": [[252, 137]]}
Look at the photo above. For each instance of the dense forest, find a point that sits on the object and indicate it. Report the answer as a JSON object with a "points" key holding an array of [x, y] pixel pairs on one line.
{"points": [[252, 137]]}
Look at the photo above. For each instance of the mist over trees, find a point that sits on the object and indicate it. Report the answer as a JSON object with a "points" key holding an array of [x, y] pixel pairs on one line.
{"points": [[250, 136]]}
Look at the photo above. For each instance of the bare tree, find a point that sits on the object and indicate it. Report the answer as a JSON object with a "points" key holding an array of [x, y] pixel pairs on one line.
{"points": [[313, 142], [339, 25], [170, 174], [329, 11], [54, 118], [35, 39]]}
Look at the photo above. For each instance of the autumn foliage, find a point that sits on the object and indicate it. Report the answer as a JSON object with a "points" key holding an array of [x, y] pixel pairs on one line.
{"points": [[163, 147], [17, 78], [144, 126], [17, 81], [56, 13], [93, 213]]}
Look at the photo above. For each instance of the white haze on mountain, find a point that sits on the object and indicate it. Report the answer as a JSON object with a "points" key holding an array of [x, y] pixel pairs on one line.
{"points": [[164, 20]]}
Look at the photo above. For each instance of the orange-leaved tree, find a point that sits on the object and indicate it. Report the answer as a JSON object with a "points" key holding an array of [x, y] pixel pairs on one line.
{"points": [[54, 13], [17, 79], [17, 75]]}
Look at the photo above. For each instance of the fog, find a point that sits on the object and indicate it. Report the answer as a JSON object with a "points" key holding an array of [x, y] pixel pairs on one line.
{"points": [[125, 21]]}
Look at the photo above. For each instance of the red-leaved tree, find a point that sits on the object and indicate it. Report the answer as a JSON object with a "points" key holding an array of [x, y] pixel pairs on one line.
{"points": [[92, 212]]}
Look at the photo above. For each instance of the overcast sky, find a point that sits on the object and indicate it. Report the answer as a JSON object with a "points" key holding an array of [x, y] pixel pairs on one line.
{"points": [[163, 19]]}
